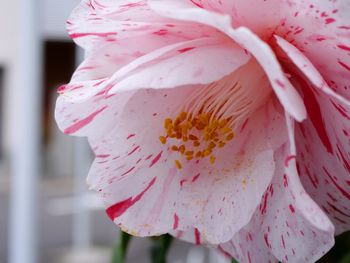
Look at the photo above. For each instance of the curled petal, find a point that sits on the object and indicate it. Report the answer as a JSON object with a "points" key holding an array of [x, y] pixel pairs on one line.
{"points": [[289, 225], [308, 69], [139, 180], [191, 63], [183, 10], [323, 158], [321, 30]]}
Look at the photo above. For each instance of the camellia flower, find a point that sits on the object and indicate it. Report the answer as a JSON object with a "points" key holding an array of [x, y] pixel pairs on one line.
{"points": [[223, 122]]}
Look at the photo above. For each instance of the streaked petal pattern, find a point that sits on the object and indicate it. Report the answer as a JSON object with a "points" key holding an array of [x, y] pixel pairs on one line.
{"points": [[223, 122]]}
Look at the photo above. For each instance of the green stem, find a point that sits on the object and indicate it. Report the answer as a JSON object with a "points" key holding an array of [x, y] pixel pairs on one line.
{"points": [[120, 248], [160, 248]]}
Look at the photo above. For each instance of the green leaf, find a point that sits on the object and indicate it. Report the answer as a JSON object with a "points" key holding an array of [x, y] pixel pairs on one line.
{"points": [[160, 248], [345, 259], [120, 248], [234, 261]]}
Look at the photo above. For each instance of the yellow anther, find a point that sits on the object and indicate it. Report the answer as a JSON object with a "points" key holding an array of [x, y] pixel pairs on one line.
{"points": [[189, 153], [162, 139], [226, 129], [169, 129], [214, 135], [175, 148], [200, 126], [201, 133], [193, 137], [206, 152], [223, 123], [178, 164], [214, 125], [203, 119], [230, 136], [206, 136], [196, 143], [189, 125], [182, 116], [167, 122], [182, 149], [221, 144], [212, 145], [184, 129]]}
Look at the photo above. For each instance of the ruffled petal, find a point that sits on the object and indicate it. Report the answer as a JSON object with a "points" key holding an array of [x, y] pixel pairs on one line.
{"points": [[321, 30], [93, 23], [188, 11], [191, 63], [259, 16], [308, 69], [92, 116], [323, 159], [289, 225], [146, 194]]}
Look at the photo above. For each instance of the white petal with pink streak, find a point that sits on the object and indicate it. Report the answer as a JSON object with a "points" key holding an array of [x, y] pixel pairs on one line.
{"points": [[147, 195], [289, 225], [187, 11]]}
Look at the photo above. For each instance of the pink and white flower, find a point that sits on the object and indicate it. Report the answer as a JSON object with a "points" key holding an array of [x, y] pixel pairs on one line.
{"points": [[223, 122]]}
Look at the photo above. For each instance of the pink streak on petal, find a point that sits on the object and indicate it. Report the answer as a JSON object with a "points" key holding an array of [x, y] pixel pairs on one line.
{"points": [[288, 159], [134, 150], [176, 222], [77, 35], [195, 177], [82, 123], [342, 190], [120, 208], [341, 63], [130, 136], [346, 48], [197, 236], [156, 159]]}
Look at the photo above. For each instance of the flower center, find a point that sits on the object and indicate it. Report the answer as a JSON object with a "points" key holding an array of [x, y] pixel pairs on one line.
{"points": [[207, 120]]}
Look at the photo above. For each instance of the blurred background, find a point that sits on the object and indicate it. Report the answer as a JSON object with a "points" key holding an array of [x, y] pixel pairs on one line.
{"points": [[46, 213]]}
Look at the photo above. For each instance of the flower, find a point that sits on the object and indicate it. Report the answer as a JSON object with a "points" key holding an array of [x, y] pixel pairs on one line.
{"points": [[223, 122]]}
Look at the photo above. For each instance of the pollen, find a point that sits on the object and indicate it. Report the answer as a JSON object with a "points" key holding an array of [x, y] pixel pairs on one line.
{"points": [[196, 136], [162, 139], [178, 164], [205, 121]]}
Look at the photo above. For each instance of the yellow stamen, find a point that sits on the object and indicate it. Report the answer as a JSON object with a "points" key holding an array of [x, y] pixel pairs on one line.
{"points": [[212, 159], [162, 139], [178, 164]]}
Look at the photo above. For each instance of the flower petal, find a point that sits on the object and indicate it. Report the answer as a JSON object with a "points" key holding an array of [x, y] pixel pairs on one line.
{"points": [[184, 10], [80, 89], [259, 16], [321, 30], [307, 68], [191, 63], [93, 23], [137, 177], [92, 116], [323, 144], [289, 224]]}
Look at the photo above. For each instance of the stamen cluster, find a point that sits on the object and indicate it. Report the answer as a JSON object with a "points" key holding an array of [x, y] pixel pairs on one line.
{"points": [[196, 136]]}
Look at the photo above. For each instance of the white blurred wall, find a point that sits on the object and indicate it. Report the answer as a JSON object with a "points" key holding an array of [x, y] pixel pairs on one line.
{"points": [[53, 14], [8, 25]]}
